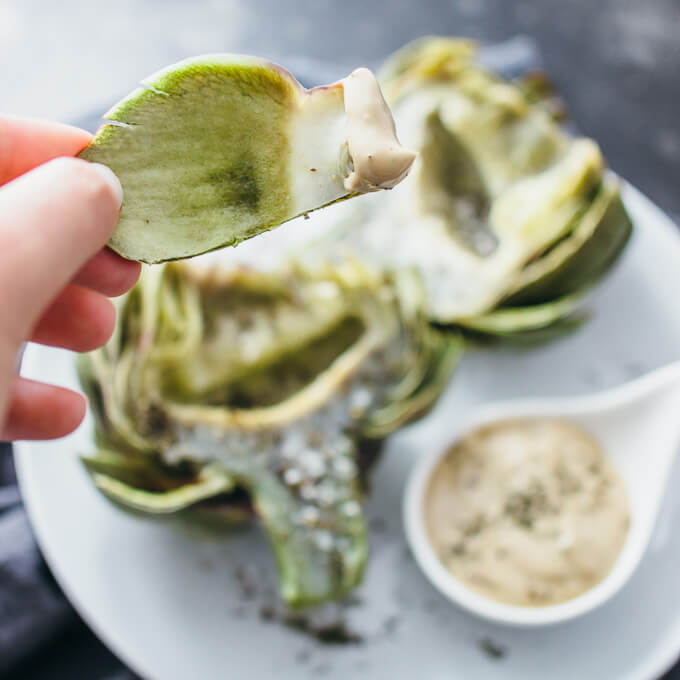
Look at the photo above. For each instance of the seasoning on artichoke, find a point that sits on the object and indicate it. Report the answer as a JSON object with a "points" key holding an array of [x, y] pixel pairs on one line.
{"points": [[508, 218], [225, 385], [217, 149]]}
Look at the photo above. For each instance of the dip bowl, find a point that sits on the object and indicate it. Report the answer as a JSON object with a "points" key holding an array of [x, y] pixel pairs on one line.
{"points": [[638, 427]]}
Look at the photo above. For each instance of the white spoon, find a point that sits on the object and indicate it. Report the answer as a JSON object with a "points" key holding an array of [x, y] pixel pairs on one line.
{"points": [[638, 426]]}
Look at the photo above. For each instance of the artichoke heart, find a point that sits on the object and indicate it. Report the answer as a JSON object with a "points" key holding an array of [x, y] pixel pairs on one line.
{"points": [[504, 212], [225, 391]]}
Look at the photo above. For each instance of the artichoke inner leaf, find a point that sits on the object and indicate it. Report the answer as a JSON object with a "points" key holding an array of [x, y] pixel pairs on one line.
{"points": [[452, 187], [582, 256], [274, 382], [249, 333]]}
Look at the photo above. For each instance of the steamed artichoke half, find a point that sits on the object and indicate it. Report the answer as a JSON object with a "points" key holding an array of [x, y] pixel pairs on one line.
{"points": [[225, 386], [508, 218]]}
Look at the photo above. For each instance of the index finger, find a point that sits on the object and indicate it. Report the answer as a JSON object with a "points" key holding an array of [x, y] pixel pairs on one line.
{"points": [[52, 221], [25, 144]]}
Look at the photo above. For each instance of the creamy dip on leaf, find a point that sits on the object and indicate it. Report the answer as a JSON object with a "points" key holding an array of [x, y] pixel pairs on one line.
{"points": [[527, 512], [378, 159]]}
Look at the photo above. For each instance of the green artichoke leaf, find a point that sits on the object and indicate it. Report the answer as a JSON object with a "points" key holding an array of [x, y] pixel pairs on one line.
{"points": [[445, 350], [597, 239], [452, 187], [508, 321], [219, 148], [251, 324], [139, 471], [211, 483]]}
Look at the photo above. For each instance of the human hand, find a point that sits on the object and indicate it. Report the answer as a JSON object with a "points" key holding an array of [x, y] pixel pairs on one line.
{"points": [[55, 271]]}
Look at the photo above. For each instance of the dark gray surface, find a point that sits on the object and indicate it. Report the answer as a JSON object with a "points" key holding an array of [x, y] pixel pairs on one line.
{"points": [[616, 62], [41, 637]]}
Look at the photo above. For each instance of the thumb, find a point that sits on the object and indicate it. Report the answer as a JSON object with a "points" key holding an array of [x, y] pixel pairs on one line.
{"points": [[52, 221]]}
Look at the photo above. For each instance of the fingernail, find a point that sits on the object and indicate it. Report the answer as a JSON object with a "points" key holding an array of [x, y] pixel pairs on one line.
{"points": [[111, 180]]}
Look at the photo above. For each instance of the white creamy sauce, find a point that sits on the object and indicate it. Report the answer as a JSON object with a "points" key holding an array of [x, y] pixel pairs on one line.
{"points": [[527, 512], [379, 161]]}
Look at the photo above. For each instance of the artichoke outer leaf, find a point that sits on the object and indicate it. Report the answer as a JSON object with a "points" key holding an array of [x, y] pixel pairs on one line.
{"points": [[139, 471], [531, 337], [507, 321], [211, 483], [217, 149], [539, 210], [586, 254], [446, 349]]}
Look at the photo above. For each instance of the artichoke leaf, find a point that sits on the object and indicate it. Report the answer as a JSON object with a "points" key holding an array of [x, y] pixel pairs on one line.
{"points": [[139, 471], [252, 327], [445, 350], [510, 320], [217, 149], [577, 261], [211, 482], [452, 187]]}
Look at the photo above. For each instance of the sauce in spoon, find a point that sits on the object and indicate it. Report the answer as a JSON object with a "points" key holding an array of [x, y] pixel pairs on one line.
{"points": [[527, 512]]}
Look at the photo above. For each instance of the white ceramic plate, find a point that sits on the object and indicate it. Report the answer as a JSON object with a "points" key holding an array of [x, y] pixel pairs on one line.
{"points": [[177, 605]]}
